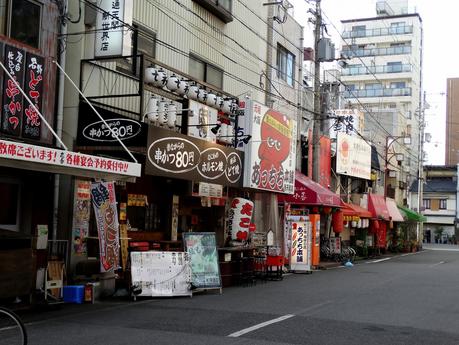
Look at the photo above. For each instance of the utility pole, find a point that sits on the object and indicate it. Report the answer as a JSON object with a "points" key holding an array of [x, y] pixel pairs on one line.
{"points": [[317, 106], [419, 228]]}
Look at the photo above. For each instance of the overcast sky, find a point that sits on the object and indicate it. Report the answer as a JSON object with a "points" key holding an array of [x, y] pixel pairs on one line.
{"points": [[440, 20]]}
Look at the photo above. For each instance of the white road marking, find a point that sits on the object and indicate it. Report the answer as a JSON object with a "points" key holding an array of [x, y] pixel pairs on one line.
{"points": [[379, 260], [260, 325], [439, 263]]}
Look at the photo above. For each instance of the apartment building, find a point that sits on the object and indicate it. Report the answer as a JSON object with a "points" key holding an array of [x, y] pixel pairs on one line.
{"points": [[383, 78]]}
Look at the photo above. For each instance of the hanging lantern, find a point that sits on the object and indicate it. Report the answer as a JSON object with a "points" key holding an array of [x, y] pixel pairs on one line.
{"points": [[152, 110], [193, 92], [229, 134], [202, 95], [159, 78], [173, 82], [171, 115], [359, 224], [374, 226], [391, 224], [327, 210], [211, 100], [150, 73], [219, 102], [338, 221], [182, 87], [354, 223], [162, 112], [315, 209], [227, 104]]}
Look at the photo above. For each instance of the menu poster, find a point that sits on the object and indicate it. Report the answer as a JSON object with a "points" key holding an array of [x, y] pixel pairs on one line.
{"points": [[161, 274], [202, 250], [33, 87], [81, 215], [12, 108]]}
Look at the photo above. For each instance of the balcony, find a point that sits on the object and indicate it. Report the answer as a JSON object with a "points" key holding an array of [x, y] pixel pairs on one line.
{"points": [[362, 52], [396, 30], [389, 92], [376, 69]]}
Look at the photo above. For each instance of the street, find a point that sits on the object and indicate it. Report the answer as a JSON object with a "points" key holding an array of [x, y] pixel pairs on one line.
{"points": [[405, 299]]}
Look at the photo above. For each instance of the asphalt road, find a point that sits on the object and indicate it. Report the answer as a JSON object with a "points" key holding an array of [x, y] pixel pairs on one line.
{"points": [[410, 299]]}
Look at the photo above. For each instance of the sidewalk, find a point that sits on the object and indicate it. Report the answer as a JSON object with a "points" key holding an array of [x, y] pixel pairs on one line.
{"points": [[325, 265]]}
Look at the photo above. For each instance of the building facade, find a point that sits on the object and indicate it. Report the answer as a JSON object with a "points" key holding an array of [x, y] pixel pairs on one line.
{"points": [[383, 79], [452, 122]]}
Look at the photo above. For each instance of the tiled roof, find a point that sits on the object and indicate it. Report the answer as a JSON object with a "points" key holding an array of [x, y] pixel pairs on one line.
{"points": [[436, 185]]}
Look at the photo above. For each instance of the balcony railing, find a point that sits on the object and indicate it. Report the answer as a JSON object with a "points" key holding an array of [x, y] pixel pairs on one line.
{"points": [[360, 52], [389, 92], [397, 30], [361, 70]]}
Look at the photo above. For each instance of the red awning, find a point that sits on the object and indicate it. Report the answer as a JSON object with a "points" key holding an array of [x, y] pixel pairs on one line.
{"points": [[377, 207], [308, 192], [355, 210], [395, 214]]}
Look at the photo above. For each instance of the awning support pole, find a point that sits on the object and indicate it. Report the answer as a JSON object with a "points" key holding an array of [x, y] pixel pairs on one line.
{"points": [[33, 106], [97, 113]]}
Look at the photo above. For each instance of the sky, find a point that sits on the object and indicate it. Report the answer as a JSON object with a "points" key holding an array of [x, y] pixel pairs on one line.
{"points": [[440, 20]]}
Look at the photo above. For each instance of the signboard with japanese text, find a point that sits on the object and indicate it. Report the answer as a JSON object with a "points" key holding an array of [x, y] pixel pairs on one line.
{"points": [[106, 214], [203, 120], [300, 243], [92, 131], [81, 215], [353, 156], [61, 161], [171, 154], [202, 250], [12, 105], [239, 221], [33, 87], [349, 121], [270, 155], [112, 35], [161, 274]]}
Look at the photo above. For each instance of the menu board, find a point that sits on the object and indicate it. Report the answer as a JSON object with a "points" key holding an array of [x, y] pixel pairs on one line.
{"points": [[161, 274], [202, 250]]}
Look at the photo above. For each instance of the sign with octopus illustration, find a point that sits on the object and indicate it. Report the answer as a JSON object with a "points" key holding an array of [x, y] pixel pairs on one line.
{"points": [[104, 202], [270, 155]]}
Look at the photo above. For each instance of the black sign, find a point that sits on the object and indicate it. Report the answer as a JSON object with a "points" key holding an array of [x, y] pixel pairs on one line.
{"points": [[92, 131], [33, 87], [172, 154], [12, 108]]}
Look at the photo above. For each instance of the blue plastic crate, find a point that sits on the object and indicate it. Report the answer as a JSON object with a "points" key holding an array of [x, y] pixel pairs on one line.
{"points": [[74, 293]]}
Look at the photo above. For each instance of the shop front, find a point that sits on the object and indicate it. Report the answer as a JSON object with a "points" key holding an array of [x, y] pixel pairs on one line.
{"points": [[379, 224], [356, 220], [396, 224]]}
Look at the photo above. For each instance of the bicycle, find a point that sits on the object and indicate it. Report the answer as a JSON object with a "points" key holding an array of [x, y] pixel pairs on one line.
{"points": [[12, 329]]}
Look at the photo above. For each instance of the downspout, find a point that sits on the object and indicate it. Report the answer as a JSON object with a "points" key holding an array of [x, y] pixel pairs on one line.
{"points": [[59, 117]]}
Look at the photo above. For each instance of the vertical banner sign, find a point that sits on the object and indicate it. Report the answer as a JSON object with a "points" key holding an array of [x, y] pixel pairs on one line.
{"points": [[103, 200], [12, 109], [270, 155], [175, 217], [239, 220], [112, 35], [33, 87], [202, 251], [300, 250], [81, 214], [325, 162]]}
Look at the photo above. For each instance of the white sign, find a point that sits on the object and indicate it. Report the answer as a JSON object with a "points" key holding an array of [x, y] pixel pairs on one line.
{"points": [[201, 123], [349, 121], [353, 156], [300, 248], [67, 162], [113, 36], [161, 274], [270, 155]]}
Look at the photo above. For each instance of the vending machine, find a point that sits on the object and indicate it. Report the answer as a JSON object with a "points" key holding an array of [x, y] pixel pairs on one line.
{"points": [[315, 239]]}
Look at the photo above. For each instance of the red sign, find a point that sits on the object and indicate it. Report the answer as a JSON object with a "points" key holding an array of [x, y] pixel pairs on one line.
{"points": [[325, 162], [33, 87], [12, 109]]}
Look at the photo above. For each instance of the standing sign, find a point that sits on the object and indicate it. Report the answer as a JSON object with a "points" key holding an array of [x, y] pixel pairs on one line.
{"points": [[300, 243], [12, 109], [104, 202], [271, 153], [33, 87], [112, 35], [202, 250], [161, 274], [172, 154]]}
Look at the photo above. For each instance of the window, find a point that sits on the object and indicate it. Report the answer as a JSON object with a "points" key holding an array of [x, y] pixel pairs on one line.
{"points": [[398, 85], [442, 204], [426, 203], [24, 22], [285, 65], [9, 205], [220, 8], [205, 72], [394, 67], [358, 31], [373, 86], [146, 41]]}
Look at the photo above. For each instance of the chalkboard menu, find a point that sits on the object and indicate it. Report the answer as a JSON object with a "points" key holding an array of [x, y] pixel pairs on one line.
{"points": [[161, 274], [202, 250]]}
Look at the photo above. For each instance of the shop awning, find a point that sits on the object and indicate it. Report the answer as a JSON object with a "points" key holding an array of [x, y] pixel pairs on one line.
{"points": [[377, 207], [355, 210], [411, 215], [52, 160], [395, 214], [309, 192]]}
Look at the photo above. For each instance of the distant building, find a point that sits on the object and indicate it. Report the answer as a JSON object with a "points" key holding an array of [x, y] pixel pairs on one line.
{"points": [[439, 203], [452, 121]]}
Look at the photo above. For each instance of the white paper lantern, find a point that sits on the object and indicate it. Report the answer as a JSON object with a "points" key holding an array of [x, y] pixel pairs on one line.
{"points": [[229, 134], [202, 95], [193, 92], [152, 110], [238, 224], [150, 73], [222, 132], [354, 224], [219, 102], [182, 87], [173, 82], [211, 100], [171, 115], [162, 112], [160, 78], [226, 107], [359, 223]]}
